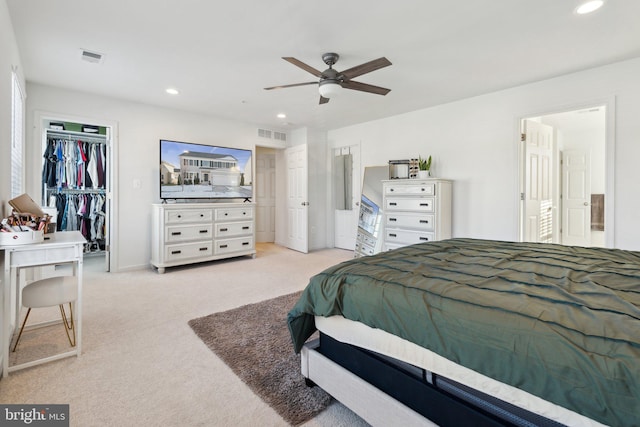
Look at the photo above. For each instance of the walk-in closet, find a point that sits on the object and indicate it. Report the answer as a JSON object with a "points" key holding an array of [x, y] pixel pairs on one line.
{"points": [[75, 181]]}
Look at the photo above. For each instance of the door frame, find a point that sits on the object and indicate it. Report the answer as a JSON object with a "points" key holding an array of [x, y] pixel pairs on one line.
{"points": [[111, 262], [609, 161], [356, 180]]}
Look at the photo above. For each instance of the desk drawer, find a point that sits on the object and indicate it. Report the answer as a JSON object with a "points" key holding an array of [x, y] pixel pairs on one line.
{"points": [[188, 250], [34, 256], [182, 233]]}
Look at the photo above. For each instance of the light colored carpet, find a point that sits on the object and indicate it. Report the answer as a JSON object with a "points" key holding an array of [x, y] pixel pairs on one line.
{"points": [[142, 365]]}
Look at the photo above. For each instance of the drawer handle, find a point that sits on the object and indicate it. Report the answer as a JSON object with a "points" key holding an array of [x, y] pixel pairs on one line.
{"points": [[223, 246], [393, 219], [204, 231], [175, 252], [226, 213], [424, 221], [246, 227], [393, 235], [224, 229], [201, 215], [393, 204], [391, 190], [424, 204], [176, 233], [244, 213], [245, 243], [424, 238], [204, 249], [179, 216]]}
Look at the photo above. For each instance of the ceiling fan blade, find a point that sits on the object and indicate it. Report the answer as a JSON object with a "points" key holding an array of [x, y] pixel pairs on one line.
{"points": [[365, 87], [367, 67], [292, 85], [302, 65], [323, 100]]}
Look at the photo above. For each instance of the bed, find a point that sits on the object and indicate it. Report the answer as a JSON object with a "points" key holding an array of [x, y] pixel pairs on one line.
{"points": [[514, 333]]}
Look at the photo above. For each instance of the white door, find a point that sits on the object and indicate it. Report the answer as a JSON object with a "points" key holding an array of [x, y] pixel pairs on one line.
{"points": [[576, 198], [265, 195], [297, 198], [538, 194], [346, 180]]}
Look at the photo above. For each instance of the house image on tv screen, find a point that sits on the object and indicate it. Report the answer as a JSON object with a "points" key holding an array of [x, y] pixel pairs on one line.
{"points": [[189, 171], [209, 169]]}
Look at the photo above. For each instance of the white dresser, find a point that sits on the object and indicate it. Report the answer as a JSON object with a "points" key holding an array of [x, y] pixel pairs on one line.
{"points": [[185, 233], [416, 211]]}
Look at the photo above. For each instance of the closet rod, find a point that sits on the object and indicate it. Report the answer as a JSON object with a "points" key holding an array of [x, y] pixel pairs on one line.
{"points": [[77, 190], [77, 136]]}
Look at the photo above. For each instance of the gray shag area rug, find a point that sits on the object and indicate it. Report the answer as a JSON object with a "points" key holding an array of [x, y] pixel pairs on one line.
{"points": [[254, 341]]}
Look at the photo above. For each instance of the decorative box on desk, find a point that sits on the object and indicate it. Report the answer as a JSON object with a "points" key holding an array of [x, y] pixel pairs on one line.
{"points": [[25, 237], [186, 233]]}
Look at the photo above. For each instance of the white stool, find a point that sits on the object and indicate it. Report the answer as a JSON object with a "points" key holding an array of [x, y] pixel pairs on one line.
{"points": [[48, 293]]}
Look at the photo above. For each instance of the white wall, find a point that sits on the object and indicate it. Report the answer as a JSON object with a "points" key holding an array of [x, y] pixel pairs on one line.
{"points": [[9, 59], [474, 142], [140, 127]]}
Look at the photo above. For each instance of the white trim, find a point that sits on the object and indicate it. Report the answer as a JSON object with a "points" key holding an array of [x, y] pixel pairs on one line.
{"points": [[609, 208], [112, 177]]}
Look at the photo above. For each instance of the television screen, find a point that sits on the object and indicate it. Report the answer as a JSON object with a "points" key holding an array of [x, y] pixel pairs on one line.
{"points": [[198, 171]]}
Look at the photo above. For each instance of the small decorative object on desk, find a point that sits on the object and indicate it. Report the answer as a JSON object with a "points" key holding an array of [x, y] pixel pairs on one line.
{"points": [[424, 166], [27, 223]]}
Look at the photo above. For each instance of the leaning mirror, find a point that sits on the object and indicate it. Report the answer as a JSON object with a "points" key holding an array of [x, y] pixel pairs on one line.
{"points": [[368, 240]]}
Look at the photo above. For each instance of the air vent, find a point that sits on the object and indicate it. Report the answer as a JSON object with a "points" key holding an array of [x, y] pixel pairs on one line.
{"points": [[89, 56], [272, 134], [264, 133]]}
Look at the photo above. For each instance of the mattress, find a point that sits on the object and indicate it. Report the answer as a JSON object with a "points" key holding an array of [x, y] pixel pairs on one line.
{"points": [[376, 340], [556, 321]]}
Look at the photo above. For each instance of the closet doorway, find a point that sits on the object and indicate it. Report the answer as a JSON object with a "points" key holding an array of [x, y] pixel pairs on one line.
{"points": [[565, 182], [77, 181]]}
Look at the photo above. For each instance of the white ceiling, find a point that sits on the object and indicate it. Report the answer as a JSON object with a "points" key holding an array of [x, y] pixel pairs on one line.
{"points": [[221, 55]]}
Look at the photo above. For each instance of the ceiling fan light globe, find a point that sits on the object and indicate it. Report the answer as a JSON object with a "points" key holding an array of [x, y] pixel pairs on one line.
{"points": [[329, 89]]}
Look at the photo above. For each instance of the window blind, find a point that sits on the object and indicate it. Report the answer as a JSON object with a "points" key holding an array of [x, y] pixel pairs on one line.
{"points": [[17, 136]]}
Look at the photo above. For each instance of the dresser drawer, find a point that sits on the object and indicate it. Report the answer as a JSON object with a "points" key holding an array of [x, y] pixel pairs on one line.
{"points": [[427, 189], [182, 233], [234, 213], [407, 237], [188, 250], [424, 222], [418, 204], [234, 245], [234, 229], [188, 215]]}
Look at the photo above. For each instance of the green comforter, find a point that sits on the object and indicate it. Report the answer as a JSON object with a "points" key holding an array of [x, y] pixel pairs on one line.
{"points": [[560, 322]]}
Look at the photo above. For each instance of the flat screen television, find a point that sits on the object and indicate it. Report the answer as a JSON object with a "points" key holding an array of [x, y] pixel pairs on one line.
{"points": [[198, 171]]}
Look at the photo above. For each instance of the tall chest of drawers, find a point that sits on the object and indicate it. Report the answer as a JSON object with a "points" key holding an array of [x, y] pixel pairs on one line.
{"points": [[186, 233], [416, 211]]}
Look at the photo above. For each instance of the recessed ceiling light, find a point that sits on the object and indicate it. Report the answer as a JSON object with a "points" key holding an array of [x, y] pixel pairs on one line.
{"points": [[172, 91], [282, 116], [589, 6]]}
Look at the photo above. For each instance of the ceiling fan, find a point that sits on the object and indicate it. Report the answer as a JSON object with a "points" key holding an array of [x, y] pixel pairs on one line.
{"points": [[332, 81]]}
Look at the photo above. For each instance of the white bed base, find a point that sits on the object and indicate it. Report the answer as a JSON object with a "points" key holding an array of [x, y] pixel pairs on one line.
{"points": [[371, 404]]}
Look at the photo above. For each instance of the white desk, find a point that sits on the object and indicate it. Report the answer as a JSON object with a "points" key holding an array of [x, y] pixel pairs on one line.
{"points": [[57, 248]]}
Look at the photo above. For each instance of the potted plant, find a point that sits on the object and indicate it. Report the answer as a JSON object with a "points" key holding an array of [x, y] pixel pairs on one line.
{"points": [[424, 166]]}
